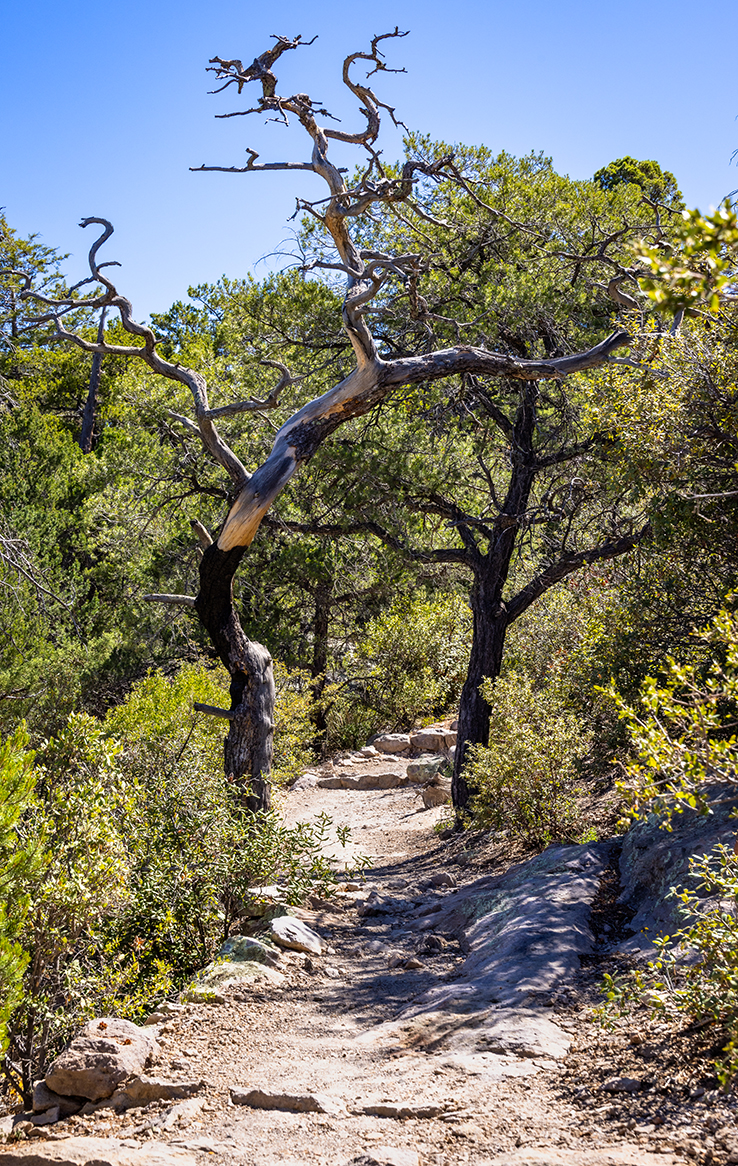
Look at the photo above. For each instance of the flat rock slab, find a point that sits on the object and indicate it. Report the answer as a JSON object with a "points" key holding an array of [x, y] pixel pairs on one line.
{"points": [[494, 1066], [106, 1052], [526, 929], [294, 934], [93, 1152], [141, 1090], [401, 1110], [520, 1032], [45, 1099], [652, 861], [288, 1102], [364, 781], [623, 1155]]}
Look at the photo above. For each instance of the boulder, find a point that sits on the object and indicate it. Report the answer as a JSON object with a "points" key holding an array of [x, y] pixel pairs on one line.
{"points": [[296, 935], [425, 768], [241, 960], [434, 739], [105, 1054], [243, 947], [436, 794], [93, 1152], [392, 743], [45, 1099], [653, 860]]}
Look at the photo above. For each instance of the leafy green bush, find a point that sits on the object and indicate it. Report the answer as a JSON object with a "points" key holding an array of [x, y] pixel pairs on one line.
{"points": [[682, 731], [194, 850], [293, 729], [149, 860], [525, 775], [684, 740], [19, 863], [695, 973], [81, 882], [409, 666]]}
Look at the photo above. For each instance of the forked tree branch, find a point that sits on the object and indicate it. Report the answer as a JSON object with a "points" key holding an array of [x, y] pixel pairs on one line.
{"points": [[373, 379]]}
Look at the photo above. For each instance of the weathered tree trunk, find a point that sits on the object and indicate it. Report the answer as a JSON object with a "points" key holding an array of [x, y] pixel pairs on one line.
{"points": [[248, 746], [488, 642], [90, 411]]}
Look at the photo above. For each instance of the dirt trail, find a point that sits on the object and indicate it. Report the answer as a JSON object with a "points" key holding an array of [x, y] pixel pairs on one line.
{"points": [[313, 1034]]}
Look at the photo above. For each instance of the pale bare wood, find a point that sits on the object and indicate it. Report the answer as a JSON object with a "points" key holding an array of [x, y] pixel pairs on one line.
{"points": [[182, 600]]}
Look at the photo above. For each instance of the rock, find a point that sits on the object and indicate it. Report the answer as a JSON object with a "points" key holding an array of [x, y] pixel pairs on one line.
{"points": [[524, 1033], [262, 900], [392, 743], [243, 947], [294, 934], [387, 1156], [6, 1126], [525, 931], [141, 1090], [412, 964], [424, 769], [620, 1155], [434, 739], [94, 1152], [401, 1109], [652, 861], [292, 1103], [621, 1085], [436, 795], [183, 1113], [102, 1057], [47, 1118], [45, 1099], [369, 751], [443, 879], [202, 993], [432, 943], [333, 973], [389, 780], [241, 960], [165, 1011]]}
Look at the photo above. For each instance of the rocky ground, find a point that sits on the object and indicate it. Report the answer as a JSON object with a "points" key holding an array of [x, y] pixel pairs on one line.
{"points": [[447, 1019]]}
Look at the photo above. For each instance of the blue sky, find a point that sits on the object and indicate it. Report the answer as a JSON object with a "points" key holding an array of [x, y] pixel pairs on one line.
{"points": [[105, 107]]}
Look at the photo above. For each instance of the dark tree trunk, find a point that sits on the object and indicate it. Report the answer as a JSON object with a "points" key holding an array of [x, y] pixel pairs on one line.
{"points": [[90, 411], [490, 613], [488, 641], [248, 746]]}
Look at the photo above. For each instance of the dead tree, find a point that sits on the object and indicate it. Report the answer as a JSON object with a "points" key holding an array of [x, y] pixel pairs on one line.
{"points": [[248, 746]]}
